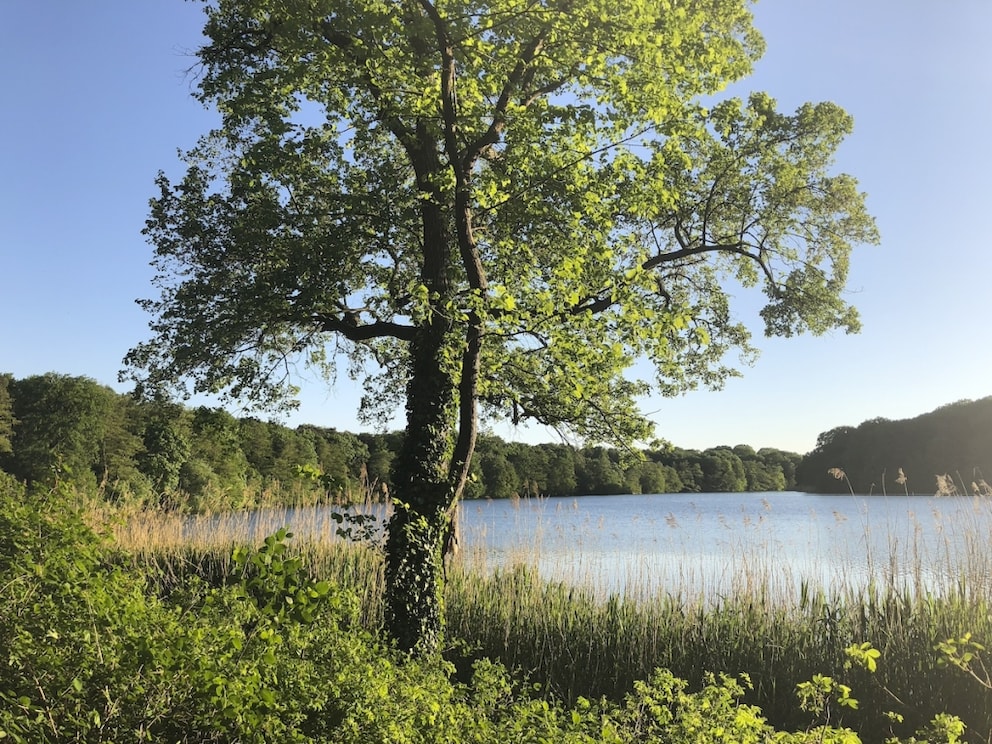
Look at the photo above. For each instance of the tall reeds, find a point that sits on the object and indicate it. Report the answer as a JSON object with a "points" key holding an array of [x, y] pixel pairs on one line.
{"points": [[581, 639]]}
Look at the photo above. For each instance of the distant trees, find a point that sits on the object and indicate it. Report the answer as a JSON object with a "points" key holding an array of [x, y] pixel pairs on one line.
{"points": [[166, 449], [723, 469], [6, 415], [507, 469], [766, 470], [56, 426], [955, 439], [67, 425]]}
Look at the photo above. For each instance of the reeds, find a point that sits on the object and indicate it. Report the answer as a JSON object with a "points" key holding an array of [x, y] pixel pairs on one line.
{"points": [[577, 639]]}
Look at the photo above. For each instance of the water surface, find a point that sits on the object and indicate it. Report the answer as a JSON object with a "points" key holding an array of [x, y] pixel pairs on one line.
{"points": [[717, 543]]}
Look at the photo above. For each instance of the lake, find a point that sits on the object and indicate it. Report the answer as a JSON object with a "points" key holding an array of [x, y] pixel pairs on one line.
{"points": [[717, 543], [712, 544]]}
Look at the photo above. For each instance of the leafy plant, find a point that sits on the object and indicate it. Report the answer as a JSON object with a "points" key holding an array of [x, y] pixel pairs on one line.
{"points": [[967, 655]]}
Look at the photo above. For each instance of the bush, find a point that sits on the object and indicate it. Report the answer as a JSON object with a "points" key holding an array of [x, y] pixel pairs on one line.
{"points": [[90, 652], [82, 645]]}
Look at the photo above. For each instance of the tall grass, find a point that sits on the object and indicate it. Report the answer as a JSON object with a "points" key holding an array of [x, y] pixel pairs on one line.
{"points": [[574, 639], [173, 547]]}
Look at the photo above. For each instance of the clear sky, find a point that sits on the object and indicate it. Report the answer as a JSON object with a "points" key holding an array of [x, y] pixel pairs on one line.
{"points": [[96, 101]]}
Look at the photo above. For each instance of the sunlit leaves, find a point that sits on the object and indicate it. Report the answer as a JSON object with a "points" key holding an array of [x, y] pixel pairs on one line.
{"points": [[543, 174]]}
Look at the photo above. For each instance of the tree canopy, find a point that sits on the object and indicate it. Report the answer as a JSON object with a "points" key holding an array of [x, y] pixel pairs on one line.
{"points": [[945, 450], [488, 204]]}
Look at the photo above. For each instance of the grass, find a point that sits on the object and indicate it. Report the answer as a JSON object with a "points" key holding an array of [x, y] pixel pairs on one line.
{"points": [[576, 641]]}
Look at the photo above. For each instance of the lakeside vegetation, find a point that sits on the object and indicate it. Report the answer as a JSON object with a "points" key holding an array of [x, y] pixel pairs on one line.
{"points": [[144, 635], [584, 667]]}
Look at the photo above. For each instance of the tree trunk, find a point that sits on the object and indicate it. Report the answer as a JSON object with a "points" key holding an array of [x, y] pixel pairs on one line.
{"points": [[425, 492]]}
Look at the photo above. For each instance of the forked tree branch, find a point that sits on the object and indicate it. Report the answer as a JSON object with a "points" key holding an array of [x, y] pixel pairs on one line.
{"points": [[349, 327]]}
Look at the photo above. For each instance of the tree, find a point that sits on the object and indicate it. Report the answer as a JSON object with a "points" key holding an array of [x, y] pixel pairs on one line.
{"points": [[648, 476], [561, 470], [166, 446], [723, 471], [501, 207], [217, 467], [343, 459], [881, 456], [779, 460], [499, 478], [761, 474], [598, 471], [7, 421], [382, 452], [69, 425]]}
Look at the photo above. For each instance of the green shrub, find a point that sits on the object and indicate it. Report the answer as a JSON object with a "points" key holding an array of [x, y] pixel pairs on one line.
{"points": [[92, 651], [82, 646]]}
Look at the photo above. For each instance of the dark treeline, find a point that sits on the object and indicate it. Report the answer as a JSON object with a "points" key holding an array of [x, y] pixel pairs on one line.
{"points": [[56, 425], [946, 450]]}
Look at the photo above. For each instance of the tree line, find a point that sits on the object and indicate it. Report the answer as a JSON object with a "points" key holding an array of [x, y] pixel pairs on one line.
{"points": [[947, 450], [159, 452]]}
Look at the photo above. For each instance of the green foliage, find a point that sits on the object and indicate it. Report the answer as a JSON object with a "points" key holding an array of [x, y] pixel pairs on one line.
{"points": [[864, 655], [968, 656], [880, 456], [166, 450], [821, 692], [343, 459], [943, 727], [90, 653], [68, 426], [206, 459], [7, 420], [273, 582], [80, 640], [497, 205], [91, 650]]}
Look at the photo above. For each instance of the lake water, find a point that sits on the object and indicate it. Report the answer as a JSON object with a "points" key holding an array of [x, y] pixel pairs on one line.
{"points": [[715, 544], [718, 543]]}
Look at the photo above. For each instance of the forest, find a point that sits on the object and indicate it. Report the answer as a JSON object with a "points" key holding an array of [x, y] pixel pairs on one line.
{"points": [[201, 458], [947, 451]]}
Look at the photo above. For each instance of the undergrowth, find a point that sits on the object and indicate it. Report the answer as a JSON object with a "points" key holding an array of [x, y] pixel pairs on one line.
{"points": [[101, 645]]}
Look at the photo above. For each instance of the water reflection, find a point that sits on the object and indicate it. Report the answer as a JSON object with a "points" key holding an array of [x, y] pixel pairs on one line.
{"points": [[715, 544], [708, 545]]}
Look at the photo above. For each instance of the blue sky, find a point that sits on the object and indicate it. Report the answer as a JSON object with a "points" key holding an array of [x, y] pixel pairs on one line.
{"points": [[97, 101]]}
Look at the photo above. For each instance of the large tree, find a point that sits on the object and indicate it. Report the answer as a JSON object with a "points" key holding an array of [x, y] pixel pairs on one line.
{"points": [[492, 206]]}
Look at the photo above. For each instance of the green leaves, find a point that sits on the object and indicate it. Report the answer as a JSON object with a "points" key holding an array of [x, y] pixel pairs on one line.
{"points": [[968, 656], [821, 691], [493, 203], [864, 655], [275, 584], [575, 183]]}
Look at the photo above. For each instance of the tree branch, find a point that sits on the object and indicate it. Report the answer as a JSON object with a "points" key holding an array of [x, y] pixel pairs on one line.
{"points": [[349, 327], [513, 82], [347, 44]]}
